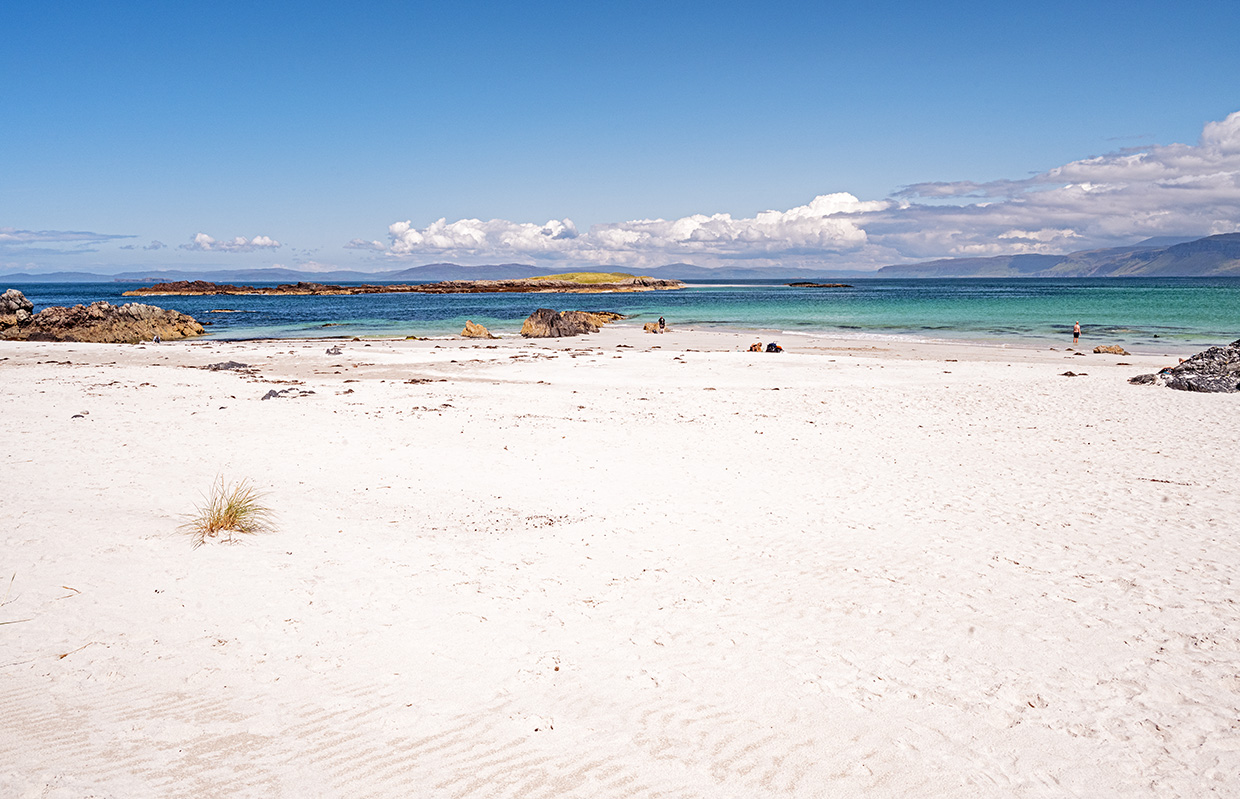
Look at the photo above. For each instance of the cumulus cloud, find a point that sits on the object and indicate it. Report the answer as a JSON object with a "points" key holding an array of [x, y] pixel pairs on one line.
{"points": [[203, 242], [822, 226]]}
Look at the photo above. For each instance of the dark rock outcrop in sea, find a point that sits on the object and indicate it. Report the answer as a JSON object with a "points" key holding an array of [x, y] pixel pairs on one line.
{"points": [[546, 323], [809, 285], [1216, 370], [628, 283], [100, 322]]}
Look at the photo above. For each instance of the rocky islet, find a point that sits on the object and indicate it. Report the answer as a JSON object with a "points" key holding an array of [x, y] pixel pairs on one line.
{"points": [[99, 322]]}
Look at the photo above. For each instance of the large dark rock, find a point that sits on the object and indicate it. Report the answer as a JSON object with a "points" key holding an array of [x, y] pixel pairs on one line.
{"points": [[106, 323], [546, 323], [1216, 370]]}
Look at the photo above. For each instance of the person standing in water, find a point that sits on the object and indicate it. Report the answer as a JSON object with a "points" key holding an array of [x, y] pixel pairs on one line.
{"points": [[1076, 332]]}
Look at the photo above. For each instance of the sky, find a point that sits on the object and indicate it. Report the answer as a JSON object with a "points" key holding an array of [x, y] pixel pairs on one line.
{"points": [[380, 135]]}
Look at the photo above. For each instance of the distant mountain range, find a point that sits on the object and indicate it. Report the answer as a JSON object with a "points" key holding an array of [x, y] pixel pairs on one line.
{"points": [[1160, 257], [1212, 256]]}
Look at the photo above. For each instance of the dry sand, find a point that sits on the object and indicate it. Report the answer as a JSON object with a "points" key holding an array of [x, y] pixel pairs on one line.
{"points": [[591, 568]]}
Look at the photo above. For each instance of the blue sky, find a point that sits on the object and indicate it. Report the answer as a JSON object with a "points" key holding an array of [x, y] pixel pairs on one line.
{"points": [[261, 134]]}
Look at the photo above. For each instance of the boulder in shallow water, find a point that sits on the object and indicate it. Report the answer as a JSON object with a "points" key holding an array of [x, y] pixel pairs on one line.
{"points": [[1216, 370], [103, 322], [546, 323], [1113, 349], [474, 330]]}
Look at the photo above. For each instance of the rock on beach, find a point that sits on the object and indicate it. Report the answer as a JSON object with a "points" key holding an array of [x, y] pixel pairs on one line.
{"points": [[99, 322], [1215, 370], [546, 323], [15, 309], [475, 330]]}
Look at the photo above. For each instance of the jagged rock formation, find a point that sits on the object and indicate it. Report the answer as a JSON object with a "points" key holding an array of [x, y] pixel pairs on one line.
{"points": [[652, 327], [15, 309], [546, 323], [473, 330], [103, 322], [1216, 370], [1113, 349]]}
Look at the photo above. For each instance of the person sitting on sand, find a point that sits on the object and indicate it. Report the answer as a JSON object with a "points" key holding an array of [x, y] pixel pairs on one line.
{"points": [[756, 347], [773, 347], [662, 324]]}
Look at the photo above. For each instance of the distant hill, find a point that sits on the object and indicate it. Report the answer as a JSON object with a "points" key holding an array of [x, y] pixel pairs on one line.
{"points": [[1162, 257], [1157, 257]]}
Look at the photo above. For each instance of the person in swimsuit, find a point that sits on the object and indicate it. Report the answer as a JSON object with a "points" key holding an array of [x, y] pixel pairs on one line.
{"points": [[1076, 332], [662, 324]]}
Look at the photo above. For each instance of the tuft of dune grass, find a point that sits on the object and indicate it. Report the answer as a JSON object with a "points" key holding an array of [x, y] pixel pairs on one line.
{"points": [[229, 510]]}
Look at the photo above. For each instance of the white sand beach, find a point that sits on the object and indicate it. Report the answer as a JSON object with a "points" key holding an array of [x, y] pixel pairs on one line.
{"points": [[620, 565]]}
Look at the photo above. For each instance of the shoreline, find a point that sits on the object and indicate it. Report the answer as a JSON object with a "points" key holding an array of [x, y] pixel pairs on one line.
{"points": [[811, 338]]}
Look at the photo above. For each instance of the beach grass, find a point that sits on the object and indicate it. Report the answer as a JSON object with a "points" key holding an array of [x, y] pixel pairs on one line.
{"points": [[229, 510]]}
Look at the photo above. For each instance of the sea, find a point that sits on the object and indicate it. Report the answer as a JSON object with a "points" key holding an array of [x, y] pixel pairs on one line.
{"points": [[1152, 313]]}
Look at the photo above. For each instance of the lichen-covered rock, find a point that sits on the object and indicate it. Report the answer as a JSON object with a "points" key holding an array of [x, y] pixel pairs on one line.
{"points": [[14, 309], [651, 327], [474, 330], [546, 323], [103, 322], [1113, 349], [1216, 370]]}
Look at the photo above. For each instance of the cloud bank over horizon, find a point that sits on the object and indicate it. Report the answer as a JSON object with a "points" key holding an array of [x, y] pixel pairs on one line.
{"points": [[1102, 201]]}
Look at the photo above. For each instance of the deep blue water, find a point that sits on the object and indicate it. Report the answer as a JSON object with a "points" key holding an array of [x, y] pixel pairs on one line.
{"points": [[1130, 311]]}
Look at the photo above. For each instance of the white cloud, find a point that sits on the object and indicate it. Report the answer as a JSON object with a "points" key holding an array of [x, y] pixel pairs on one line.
{"points": [[1112, 199], [362, 244], [822, 226], [205, 243], [1174, 189], [13, 237]]}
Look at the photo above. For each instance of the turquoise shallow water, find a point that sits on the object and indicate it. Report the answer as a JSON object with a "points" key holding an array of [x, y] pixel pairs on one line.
{"points": [[1131, 312]]}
